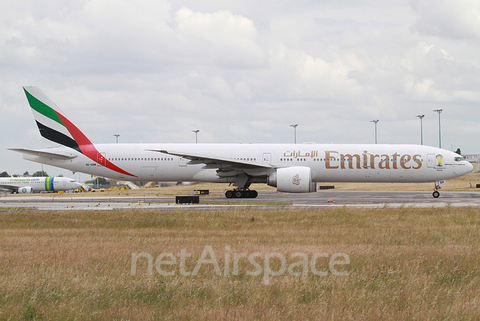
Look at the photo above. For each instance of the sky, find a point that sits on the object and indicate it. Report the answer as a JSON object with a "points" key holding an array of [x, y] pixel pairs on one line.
{"points": [[242, 71]]}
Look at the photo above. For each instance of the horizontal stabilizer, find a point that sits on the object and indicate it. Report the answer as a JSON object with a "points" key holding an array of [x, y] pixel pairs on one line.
{"points": [[42, 153]]}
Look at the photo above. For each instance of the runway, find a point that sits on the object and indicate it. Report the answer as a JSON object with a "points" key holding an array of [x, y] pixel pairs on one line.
{"points": [[265, 200]]}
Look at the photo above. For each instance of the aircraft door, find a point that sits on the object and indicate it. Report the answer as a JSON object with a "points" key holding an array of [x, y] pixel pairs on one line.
{"points": [[182, 162], [431, 160], [101, 159], [267, 158]]}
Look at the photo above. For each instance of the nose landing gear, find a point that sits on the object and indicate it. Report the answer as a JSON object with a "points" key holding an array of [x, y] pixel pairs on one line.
{"points": [[436, 193]]}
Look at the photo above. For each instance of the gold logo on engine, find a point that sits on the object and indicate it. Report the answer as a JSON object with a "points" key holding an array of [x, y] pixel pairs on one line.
{"points": [[296, 179]]}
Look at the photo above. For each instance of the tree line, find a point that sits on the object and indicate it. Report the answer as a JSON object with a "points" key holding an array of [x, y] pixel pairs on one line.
{"points": [[27, 174]]}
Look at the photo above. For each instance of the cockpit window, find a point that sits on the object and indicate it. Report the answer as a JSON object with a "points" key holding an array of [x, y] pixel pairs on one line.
{"points": [[459, 159]]}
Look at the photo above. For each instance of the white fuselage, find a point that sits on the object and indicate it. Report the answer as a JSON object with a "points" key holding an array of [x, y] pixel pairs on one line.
{"points": [[328, 162], [25, 185]]}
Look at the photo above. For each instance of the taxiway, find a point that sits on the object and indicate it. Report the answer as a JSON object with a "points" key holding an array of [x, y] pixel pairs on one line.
{"points": [[265, 200]]}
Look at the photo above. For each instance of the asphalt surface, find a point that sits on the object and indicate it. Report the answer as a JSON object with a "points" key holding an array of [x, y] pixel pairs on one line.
{"points": [[265, 200]]}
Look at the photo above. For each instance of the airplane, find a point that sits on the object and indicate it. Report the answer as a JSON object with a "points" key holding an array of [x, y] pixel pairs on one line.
{"points": [[27, 185], [293, 168]]}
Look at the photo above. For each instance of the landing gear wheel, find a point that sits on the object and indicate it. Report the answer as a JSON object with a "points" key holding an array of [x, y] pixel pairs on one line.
{"points": [[241, 194], [436, 194], [237, 194]]}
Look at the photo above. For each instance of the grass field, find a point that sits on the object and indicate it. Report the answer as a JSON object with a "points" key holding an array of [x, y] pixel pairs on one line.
{"points": [[410, 264]]}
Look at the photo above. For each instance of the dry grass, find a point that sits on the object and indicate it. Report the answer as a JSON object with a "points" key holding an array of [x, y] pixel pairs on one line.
{"points": [[404, 264]]}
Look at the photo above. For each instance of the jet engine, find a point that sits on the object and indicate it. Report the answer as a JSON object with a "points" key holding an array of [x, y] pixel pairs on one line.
{"points": [[296, 179], [25, 190]]}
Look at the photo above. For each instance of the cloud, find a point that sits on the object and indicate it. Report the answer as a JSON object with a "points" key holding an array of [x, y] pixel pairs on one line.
{"points": [[242, 71], [230, 40], [444, 18], [435, 75]]}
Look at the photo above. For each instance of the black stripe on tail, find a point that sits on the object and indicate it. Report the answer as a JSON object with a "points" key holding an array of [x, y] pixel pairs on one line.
{"points": [[57, 137]]}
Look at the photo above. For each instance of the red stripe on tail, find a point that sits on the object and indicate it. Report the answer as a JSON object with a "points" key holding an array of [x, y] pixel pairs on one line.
{"points": [[87, 148]]}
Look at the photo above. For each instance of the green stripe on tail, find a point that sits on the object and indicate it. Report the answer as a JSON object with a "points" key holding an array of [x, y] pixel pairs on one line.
{"points": [[41, 108]]}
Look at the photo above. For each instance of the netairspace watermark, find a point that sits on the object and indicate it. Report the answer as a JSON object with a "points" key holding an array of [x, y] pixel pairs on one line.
{"points": [[270, 264]]}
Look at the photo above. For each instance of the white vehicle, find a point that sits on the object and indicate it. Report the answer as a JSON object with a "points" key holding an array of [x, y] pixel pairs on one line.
{"points": [[294, 168], [27, 185]]}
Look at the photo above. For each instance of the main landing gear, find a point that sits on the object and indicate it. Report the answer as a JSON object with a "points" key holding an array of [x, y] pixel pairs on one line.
{"points": [[242, 182], [241, 194]]}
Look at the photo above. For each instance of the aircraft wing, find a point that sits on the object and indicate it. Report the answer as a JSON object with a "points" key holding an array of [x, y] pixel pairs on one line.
{"points": [[223, 165], [9, 188], [42, 153]]}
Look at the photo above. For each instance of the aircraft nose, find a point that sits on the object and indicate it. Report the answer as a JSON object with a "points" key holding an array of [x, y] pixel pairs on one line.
{"points": [[469, 167]]}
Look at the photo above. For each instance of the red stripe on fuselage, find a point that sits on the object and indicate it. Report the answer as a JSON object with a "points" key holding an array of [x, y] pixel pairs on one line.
{"points": [[86, 146]]}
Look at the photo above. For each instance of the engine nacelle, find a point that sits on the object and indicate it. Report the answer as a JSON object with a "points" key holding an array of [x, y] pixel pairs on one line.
{"points": [[25, 190], [297, 179]]}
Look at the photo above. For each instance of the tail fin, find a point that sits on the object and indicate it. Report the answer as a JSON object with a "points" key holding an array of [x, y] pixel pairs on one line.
{"points": [[55, 127], [52, 122]]}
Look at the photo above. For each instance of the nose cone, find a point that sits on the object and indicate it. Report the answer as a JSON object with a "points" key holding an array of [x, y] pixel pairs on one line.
{"points": [[469, 167]]}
